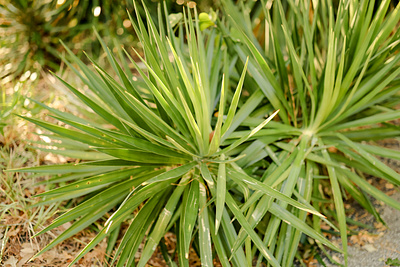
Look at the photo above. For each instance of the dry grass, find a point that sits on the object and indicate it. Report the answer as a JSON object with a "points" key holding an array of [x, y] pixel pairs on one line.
{"points": [[18, 220]]}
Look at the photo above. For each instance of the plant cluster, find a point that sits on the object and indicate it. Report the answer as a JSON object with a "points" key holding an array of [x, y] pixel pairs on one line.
{"points": [[231, 130], [30, 31]]}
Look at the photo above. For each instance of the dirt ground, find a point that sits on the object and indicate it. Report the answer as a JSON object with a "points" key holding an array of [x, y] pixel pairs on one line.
{"points": [[375, 249], [379, 246]]}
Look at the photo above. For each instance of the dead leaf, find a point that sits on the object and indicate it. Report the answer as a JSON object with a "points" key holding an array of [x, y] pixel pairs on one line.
{"points": [[13, 232], [49, 256], [389, 186], [369, 248], [27, 249], [325, 226], [336, 258], [380, 226], [11, 262], [66, 225], [24, 260], [364, 237]]}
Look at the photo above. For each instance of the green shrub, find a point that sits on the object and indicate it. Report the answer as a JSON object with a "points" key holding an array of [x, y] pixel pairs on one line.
{"points": [[30, 31], [183, 149], [333, 71], [163, 162]]}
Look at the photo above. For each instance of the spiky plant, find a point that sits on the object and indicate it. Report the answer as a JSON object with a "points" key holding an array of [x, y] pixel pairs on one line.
{"points": [[163, 162], [333, 70], [30, 31]]}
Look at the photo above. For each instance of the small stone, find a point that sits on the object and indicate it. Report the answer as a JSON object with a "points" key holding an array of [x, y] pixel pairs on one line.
{"points": [[389, 186], [336, 258], [369, 248]]}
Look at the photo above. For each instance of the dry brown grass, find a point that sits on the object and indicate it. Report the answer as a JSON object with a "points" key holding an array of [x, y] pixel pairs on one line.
{"points": [[18, 220]]}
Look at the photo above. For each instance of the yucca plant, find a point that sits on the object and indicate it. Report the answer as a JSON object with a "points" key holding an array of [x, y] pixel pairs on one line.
{"points": [[169, 157], [333, 69], [30, 31]]}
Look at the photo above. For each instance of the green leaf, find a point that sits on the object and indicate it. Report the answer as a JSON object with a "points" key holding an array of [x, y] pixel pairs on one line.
{"points": [[221, 189], [378, 118], [216, 134], [139, 156], [219, 245], [75, 135], [371, 159], [288, 217], [137, 230], [257, 185], [187, 221], [254, 237], [64, 168], [235, 100], [338, 200], [76, 154], [144, 145], [247, 136], [371, 190], [268, 82], [172, 174], [162, 222], [204, 229], [98, 181], [95, 213], [393, 262], [96, 108]]}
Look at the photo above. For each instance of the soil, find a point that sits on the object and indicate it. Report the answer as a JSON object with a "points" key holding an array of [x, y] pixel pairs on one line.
{"points": [[380, 247]]}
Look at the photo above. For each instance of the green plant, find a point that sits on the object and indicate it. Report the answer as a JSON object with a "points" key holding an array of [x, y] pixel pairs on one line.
{"points": [[392, 262], [29, 35], [333, 70], [8, 103], [30, 31], [162, 162]]}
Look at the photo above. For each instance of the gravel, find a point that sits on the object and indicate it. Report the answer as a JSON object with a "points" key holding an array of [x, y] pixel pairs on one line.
{"points": [[385, 247]]}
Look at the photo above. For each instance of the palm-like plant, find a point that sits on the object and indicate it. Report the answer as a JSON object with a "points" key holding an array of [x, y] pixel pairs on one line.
{"points": [[164, 163], [334, 74], [30, 31]]}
